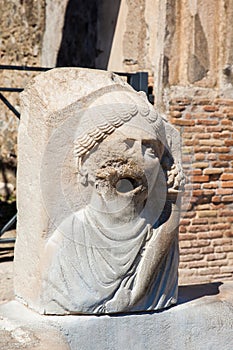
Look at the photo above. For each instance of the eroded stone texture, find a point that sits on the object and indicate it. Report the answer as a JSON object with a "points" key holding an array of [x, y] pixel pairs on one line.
{"points": [[22, 26], [100, 174]]}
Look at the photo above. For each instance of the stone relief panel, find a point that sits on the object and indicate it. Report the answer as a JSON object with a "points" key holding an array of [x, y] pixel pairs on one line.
{"points": [[104, 237]]}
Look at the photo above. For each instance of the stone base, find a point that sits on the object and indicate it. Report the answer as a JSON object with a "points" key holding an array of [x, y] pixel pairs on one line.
{"points": [[203, 319]]}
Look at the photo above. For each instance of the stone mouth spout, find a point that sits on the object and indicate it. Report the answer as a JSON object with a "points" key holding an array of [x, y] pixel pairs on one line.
{"points": [[130, 185]]}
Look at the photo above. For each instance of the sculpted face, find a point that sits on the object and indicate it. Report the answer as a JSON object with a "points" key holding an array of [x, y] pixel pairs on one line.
{"points": [[124, 169]]}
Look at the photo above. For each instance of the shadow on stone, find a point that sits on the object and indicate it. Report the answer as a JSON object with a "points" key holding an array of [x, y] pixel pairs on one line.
{"points": [[88, 33], [192, 292]]}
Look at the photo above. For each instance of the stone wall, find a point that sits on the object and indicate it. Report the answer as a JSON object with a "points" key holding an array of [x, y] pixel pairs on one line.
{"points": [[22, 27]]}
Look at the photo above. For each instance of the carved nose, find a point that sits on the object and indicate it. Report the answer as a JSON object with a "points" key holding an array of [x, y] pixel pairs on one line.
{"points": [[136, 148]]}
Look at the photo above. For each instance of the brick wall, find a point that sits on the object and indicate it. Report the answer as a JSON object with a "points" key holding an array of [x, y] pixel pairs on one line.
{"points": [[206, 230]]}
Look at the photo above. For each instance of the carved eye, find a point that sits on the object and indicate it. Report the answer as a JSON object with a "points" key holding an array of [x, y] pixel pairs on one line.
{"points": [[152, 148], [149, 151], [125, 185]]}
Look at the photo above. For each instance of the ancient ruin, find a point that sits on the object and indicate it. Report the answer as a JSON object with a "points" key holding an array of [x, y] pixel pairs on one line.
{"points": [[104, 194]]}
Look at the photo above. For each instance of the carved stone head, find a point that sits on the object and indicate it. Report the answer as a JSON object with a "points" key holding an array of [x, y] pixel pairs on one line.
{"points": [[107, 212]]}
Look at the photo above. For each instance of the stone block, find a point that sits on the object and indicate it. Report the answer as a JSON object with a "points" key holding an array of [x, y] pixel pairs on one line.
{"points": [[203, 320], [99, 192]]}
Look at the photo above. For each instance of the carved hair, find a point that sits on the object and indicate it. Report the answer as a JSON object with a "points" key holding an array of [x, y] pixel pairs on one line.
{"points": [[118, 114], [114, 118]]}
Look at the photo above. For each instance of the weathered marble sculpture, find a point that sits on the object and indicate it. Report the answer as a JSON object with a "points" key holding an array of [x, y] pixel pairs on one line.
{"points": [[99, 186]]}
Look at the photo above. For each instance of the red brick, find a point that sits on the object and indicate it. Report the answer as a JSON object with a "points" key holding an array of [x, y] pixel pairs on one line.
{"points": [[197, 193], [229, 233], [189, 214], [221, 149], [187, 135], [200, 115], [218, 164], [190, 187], [217, 114], [182, 229], [181, 101], [227, 199], [228, 110], [225, 157], [227, 128], [200, 178], [191, 257], [224, 102], [216, 199], [218, 250], [187, 236], [199, 156], [216, 135], [190, 142], [187, 272], [216, 256], [183, 122], [211, 142], [202, 136], [177, 108], [200, 243], [214, 129], [226, 177], [204, 149], [226, 269], [206, 250], [195, 172], [199, 221], [196, 264], [207, 122], [208, 192], [218, 262], [211, 156], [200, 165], [185, 244], [226, 122], [228, 142], [198, 228], [211, 234], [194, 129], [228, 248], [183, 265], [210, 108], [227, 184], [207, 213], [176, 114], [201, 101], [210, 185], [184, 222], [222, 135], [225, 213], [210, 171], [186, 158], [209, 271], [189, 251], [222, 242]]}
